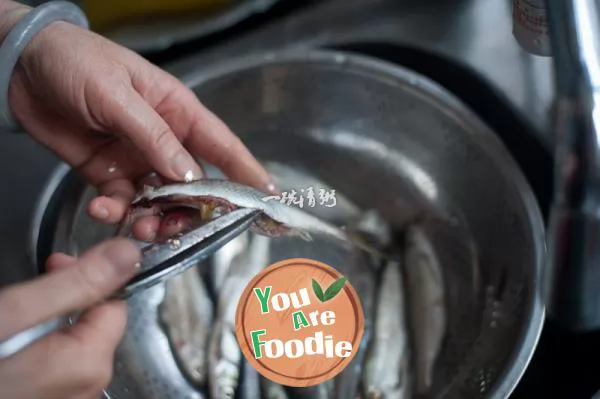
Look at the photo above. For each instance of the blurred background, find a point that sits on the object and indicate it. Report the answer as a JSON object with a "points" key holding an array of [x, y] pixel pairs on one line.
{"points": [[152, 27]]}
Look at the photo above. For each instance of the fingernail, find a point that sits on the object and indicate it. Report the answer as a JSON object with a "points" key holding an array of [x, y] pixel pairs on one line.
{"points": [[272, 189], [185, 167], [101, 212], [123, 256]]}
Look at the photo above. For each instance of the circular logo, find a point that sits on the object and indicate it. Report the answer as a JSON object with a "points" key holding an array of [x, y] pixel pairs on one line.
{"points": [[299, 322]]}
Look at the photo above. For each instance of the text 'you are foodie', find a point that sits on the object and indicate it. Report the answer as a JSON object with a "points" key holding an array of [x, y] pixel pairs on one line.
{"points": [[299, 322]]}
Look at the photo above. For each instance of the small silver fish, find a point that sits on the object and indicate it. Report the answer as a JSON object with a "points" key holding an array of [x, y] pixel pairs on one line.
{"points": [[221, 261], [215, 197], [385, 371], [347, 383], [225, 355], [426, 300], [271, 390], [360, 271], [221, 196], [186, 314], [145, 364], [224, 361]]}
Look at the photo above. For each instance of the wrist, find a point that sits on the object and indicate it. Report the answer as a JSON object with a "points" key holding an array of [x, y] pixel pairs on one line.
{"points": [[12, 12], [21, 29]]}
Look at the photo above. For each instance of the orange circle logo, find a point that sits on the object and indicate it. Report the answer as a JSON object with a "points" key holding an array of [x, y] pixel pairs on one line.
{"points": [[299, 322]]}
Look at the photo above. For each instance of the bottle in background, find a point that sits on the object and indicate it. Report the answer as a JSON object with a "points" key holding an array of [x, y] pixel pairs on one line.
{"points": [[530, 26]]}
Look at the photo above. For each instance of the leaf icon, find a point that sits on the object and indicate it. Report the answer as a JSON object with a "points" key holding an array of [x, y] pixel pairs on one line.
{"points": [[334, 289], [318, 290]]}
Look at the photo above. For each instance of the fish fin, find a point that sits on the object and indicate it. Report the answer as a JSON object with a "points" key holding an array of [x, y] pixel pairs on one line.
{"points": [[206, 211], [360, 241], [305, 235]]}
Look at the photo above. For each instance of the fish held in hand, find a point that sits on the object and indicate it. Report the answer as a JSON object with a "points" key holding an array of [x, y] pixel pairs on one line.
{"points": [[215, 197], [212, 198], [426, 300]]}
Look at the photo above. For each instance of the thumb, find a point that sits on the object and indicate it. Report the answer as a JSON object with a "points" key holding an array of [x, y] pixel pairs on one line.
{"points": [[96, 274]]}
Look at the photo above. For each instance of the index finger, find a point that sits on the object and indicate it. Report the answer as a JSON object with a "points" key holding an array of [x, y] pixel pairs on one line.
{"points": [[209, 137], [218, 145]]}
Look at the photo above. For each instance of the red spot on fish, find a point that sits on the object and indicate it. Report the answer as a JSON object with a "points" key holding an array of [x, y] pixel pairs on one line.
{"points": [[178, 221]]}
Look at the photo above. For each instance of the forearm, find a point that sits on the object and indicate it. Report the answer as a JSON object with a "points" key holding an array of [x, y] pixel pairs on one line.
{"points": [[10, 13]]}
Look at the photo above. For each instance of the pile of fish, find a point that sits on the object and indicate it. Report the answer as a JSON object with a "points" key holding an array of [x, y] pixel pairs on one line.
{"points": [[403, 301]]}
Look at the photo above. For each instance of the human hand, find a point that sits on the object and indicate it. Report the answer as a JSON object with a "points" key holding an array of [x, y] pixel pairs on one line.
{"points": [[76, 362], [116, 118]]}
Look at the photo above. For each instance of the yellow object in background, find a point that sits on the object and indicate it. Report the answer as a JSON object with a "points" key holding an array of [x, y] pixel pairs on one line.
{"points": [[106, 14]]}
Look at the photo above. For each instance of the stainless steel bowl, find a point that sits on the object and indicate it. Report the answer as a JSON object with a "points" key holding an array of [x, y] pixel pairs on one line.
{"points": [[390, 140]]}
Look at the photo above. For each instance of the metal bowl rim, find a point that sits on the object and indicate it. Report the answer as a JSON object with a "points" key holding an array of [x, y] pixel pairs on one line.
{"points": [[56, 178]]}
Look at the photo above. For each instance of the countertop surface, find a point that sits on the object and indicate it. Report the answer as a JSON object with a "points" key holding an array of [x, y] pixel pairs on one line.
{"points": [[475, 34]]}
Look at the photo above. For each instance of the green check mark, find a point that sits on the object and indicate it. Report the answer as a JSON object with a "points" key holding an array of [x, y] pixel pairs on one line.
{"points": [[330, 292]]}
